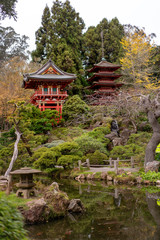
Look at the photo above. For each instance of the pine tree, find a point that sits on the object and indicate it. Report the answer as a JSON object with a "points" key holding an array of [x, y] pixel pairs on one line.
{"points": [[113, 32], [60, 37], [42, 37]]}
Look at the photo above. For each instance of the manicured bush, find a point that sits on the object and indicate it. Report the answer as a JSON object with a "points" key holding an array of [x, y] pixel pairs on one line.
{"points": [[67, 134], [11, 223], [54, 143], [68, 148], [96, 158], [88, 144], [99, 134], [47, 159], [141, 138], [67, 161], [76, 111], [125, 152]]}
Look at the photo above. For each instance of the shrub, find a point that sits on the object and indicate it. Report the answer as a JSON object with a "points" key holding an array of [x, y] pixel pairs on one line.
{"points": [[67, 161], [96, 158], [54, 143], [68, 148], [76, 111], [48, 159], [67, 134], [88, 144], [125, 152], [11, 224], [140, 139], [99, 134]]}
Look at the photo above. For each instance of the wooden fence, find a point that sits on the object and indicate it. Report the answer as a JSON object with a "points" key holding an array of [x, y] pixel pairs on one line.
{"points": [[112, 163]]}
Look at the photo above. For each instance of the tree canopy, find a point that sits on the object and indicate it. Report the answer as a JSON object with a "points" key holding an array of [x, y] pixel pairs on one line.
{"points": [[7, 9], [12, 44], [112, 32], [60, 37], [137, 62]]}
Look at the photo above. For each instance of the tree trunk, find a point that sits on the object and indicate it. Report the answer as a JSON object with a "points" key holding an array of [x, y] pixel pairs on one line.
{"points": [[15, 153], [155, 140], [25, 142], [151, 147], [27, 148]]}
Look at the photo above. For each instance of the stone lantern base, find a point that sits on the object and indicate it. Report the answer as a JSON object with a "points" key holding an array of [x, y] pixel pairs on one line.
{"points": [[26, 193]]}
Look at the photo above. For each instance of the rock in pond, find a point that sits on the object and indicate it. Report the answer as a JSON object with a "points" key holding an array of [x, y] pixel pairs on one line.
{"points": [[53, 204], [76, 206]]}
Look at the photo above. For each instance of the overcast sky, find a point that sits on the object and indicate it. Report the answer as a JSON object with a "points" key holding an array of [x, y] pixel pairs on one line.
{"points": [[142, 13]]}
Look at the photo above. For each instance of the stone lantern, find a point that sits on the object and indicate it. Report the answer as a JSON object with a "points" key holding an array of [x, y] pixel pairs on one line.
{"points": [[26, 184]]}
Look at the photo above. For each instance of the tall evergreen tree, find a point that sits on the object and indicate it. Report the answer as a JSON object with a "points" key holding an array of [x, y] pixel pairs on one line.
{"points": [[60, 37], [112, 33], [43, 37], [7, 9]]}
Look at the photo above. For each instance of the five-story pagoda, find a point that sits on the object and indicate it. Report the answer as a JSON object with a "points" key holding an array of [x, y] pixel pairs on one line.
{"points": [[49, 83], [103, 82]]}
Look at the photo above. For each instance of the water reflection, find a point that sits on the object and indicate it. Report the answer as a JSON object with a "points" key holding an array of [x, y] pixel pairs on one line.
{"points": [[119, 213]]}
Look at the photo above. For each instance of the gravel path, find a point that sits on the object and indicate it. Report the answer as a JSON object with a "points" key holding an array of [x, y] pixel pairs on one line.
{"points": [[107, 169]]}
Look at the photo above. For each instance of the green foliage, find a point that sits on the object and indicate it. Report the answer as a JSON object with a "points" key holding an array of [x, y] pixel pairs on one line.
{"points": [[151, 176], [46, 159], [125, 152], [11, 224], [96, 158], [99, 133], [65, 154], [37, 121], [141, 138], [88, 144], [67, 161], [60, 37], [67, 134], [54, 143], [75, 109], [66, 148], [7, 9], [113, 32]]}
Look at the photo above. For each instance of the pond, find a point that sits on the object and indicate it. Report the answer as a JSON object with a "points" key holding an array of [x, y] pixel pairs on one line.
{"points": [[121, 213]]}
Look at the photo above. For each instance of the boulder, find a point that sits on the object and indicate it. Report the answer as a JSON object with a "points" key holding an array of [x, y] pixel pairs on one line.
{"points": [[117, 141], [109, 178], [54, 204], [104, 175], [37, 211], [75, 206], [152, 166]]}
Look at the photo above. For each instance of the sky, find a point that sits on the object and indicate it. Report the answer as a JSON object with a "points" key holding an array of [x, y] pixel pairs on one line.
{"points": [[141, 13]]}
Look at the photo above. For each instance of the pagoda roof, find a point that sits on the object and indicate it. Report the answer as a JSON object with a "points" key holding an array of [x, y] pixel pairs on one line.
{"points": [[49, 72], [104, 65], [103, 75], [25, 170], [105, 84]]}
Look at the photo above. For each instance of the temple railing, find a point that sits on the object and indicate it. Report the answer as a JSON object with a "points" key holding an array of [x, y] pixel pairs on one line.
{"points": [[57, 94]]}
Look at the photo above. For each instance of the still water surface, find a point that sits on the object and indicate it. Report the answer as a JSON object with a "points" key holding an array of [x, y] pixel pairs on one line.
{"points": [[112, 213]]}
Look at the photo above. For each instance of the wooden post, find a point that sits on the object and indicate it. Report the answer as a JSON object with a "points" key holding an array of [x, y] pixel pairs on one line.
{"points": [[132, 162], [8, 190], [116, 165], [88, 163], [79, 164], [116, 194], [110, 162]]}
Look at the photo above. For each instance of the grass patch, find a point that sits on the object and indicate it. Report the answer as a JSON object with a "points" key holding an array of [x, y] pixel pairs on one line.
{"points": [[16, 201]]}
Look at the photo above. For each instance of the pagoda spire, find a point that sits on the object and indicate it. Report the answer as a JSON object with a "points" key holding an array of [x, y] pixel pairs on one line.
{"points": [[102, 39]]}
